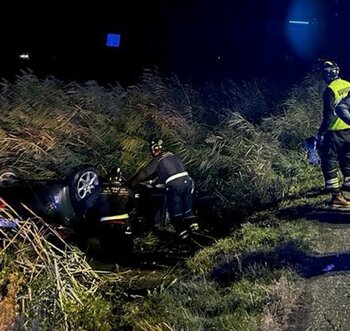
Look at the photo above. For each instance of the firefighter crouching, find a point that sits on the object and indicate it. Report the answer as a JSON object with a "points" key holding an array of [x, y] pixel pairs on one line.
{"points": [[166, 169]]}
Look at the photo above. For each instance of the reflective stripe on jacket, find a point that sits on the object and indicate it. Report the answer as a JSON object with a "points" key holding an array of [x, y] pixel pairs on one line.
{"points": [[160, 169]]}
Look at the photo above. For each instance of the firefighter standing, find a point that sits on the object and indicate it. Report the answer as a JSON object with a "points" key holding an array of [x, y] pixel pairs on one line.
{"points": [[166, 169], [334, 135]]}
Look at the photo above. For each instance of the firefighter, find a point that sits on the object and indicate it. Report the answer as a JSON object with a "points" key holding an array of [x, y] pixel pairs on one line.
{"points": [[334, 135], [166, 169]]}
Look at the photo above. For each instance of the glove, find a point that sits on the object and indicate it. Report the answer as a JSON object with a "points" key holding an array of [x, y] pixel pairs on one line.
{"points": [[319, 138], [310, 145]]}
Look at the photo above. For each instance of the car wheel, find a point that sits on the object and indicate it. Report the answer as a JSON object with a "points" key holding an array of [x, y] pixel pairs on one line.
{"points": [[83, 181], [8, 173]]}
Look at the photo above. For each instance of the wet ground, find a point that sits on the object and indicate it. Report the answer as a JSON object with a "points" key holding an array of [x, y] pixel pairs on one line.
{"points": [[158, 258]]}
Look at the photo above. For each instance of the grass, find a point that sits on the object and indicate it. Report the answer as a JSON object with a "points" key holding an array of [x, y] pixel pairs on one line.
{"points": [[244, 136], [56, 288], [225, 288], [242, 145], [10, 285]]}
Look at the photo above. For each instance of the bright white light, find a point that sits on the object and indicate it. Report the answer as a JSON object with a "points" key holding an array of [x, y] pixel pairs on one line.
{"points": [[24, 56], [299, 22]]}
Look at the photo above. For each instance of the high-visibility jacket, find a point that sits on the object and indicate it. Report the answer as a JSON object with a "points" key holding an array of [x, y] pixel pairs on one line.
{"points": [[340, 88]]}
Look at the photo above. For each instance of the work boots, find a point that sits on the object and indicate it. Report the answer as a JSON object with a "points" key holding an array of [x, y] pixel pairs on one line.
{"points": [[182, 235], [338, 200], [346, 184]]}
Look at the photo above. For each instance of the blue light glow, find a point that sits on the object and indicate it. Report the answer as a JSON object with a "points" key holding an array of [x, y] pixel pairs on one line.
{"points": [[113, 40], [304, 27]]}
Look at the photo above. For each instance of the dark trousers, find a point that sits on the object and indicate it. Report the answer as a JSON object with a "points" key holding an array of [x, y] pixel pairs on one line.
{"points": [[179, 201], [335, 153]]}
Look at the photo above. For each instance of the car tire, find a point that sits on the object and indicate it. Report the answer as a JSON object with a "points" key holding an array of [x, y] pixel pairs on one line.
{"points": [[8, 173], [84, 184]]}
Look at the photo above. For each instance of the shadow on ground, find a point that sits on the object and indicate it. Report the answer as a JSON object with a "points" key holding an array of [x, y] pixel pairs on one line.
{"points": [[328, 216], [306, 265], [289, 255]]}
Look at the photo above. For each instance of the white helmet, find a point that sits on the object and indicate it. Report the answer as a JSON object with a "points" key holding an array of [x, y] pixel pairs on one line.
{"points": [[330, 70]]}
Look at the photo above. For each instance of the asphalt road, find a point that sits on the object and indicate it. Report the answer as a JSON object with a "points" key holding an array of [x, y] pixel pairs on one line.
{"points": [[326, 300]]}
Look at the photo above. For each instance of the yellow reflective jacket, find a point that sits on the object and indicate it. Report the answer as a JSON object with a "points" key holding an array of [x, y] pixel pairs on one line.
{"points": [[340, 88]]}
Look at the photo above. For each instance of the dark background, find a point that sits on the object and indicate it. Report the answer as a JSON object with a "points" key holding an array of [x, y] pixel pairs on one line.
{"points": [[197, 40]]}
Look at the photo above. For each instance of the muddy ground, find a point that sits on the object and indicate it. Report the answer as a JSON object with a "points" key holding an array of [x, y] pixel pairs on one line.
{"points": [[158, 258]]}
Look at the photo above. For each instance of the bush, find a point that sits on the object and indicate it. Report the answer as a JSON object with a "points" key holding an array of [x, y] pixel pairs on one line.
{"points": [[239, 160]]}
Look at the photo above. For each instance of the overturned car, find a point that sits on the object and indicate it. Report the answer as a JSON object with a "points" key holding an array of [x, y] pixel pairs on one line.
{"points": [[80, 207]]}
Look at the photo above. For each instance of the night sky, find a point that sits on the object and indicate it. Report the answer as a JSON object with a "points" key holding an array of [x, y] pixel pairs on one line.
{"points": [[197, 40]]}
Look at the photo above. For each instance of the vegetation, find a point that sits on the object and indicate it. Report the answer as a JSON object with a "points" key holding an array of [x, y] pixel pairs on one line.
{"points": [[241, 159], [55, 288], [242, 145], [242, 282]]}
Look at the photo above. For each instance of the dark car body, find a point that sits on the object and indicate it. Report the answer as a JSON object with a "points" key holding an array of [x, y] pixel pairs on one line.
{"points": [[79, 207]]}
